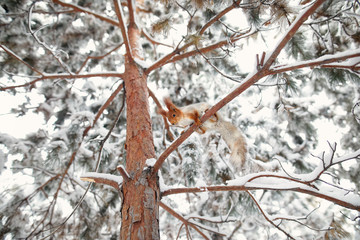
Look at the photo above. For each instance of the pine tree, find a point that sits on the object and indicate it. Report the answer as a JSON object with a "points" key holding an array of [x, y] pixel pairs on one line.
{"points": [[106, 165]]}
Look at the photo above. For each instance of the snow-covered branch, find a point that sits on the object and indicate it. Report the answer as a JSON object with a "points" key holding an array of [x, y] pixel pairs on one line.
{"points": [[63, 76], [249, 81], [350, 60], [303, 183], [301, 18], [103, 178]]}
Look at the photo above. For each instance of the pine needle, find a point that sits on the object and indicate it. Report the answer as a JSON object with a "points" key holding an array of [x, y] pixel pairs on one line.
{"points": [[163, 25]]}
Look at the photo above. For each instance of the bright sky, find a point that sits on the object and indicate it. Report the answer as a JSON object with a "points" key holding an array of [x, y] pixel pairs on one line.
{"points": [[18, 126]]}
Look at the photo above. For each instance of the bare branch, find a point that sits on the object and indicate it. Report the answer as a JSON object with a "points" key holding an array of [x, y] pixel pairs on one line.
{"points": [[14, 55], [152, 40], [267, 218], [98, 57], [44, 45], [80, 9], [232, 78], [175, 55], [121, 24], [219, 15], [132, 9], [182, 219]]}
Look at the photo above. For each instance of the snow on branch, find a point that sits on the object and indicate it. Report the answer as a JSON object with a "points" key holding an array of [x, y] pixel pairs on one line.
{"points": [[63, 76], [249, 81], [309, 183], [301, 18], [350, 58], [104, 178]]}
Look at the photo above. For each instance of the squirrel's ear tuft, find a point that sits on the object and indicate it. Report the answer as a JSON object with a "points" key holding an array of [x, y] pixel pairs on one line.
{"points": [[169, 104]]}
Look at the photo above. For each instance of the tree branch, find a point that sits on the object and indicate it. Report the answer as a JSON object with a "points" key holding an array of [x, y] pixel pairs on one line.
{"points": [[83, 10], [14, 55], [182, 219], [291, 32], [301, 189], [175, 55], [103, 178], [98, 57], [219, 15], [267, 218], [121, 24], [250, 80], [284, 182], [321, 62], [62, 76]]}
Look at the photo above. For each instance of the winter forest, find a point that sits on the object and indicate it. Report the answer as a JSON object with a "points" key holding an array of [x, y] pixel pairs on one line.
{"points": [[89, 83]]}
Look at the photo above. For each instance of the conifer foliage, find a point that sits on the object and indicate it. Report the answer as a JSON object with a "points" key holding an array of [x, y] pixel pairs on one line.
{"points": [[105, 165]]}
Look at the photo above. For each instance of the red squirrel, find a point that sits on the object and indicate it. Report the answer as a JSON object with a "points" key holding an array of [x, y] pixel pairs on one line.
{"points": [[185, 116]]}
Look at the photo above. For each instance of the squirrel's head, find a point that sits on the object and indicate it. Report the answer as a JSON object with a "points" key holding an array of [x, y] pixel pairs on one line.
{"points": [[174, 114]]}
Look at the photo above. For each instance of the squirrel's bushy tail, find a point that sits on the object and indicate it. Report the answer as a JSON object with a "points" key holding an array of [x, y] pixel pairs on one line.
{"points": [[235, 141]]}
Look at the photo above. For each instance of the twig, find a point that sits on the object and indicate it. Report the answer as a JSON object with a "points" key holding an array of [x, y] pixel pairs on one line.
{"points": [[80, 9], [268, 219], [232, 78], [63, 76], [98, 57], [58, 59], [121, 24], [321, 61], [182, 219], [174, 56], [251, 79], [152, 40], [11, 53], [99, 155]]}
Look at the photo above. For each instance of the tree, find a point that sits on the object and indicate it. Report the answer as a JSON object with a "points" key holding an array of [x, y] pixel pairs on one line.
{"points": [[85, 59]]}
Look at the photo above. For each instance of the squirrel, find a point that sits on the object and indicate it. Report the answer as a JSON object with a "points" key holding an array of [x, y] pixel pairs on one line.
{"points": [[187, 115]]}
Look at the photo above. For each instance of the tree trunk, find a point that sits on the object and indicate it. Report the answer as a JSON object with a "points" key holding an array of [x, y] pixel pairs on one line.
{"points": [[140, 206], [140, 209]]}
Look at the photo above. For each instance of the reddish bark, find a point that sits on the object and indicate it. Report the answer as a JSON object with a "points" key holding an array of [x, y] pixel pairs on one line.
{"points": [[140, 207]]}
